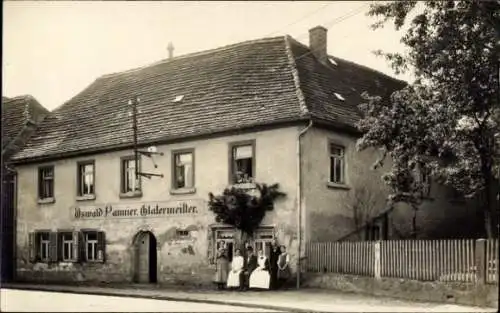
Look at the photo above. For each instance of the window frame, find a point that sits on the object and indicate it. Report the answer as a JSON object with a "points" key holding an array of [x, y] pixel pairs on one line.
{"points": [[79, 185], [99, 246], [232, 161], [134, 193], [42, 180], [39, 243], [182, 190], [63, 243], [343, 174]]}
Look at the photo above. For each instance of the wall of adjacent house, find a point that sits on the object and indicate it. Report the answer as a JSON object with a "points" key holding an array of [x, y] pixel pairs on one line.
{"points": [[180, 258], [330, 207]]}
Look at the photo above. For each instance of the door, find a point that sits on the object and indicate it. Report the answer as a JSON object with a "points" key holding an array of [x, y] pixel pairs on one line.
{"points": [[146, 257]]}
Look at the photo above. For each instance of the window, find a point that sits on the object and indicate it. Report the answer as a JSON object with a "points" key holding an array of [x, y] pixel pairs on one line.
{"points": [[337, 164], [183, 169], [242, 163], [86, 178], [43, 244], [129, 181], [67, 252], [262, 240], [182, 233], [94, 246], [225, 236], [46, 182]]}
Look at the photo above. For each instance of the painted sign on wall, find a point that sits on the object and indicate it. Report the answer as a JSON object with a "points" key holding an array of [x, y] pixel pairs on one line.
{"points": [[137, 210]]}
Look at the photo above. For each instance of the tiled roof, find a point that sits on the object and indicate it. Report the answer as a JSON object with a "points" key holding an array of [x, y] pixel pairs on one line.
{"points": [[252, 83], [16, 113]]}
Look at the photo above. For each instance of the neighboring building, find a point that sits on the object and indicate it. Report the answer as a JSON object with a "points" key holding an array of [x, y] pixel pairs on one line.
{"points": [[20, 116], [270, 111]]}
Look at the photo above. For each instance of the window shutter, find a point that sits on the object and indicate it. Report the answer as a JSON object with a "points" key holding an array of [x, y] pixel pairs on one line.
{"points": [[76, 246], [32, 247], [101, 246], [60, 245], [82, 255], [53, 249]]}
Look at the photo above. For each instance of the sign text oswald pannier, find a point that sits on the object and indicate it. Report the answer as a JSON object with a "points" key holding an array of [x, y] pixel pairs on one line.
{"points": [[137, 210]]}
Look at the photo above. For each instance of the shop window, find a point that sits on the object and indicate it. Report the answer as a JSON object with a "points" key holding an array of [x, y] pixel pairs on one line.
{"points": [[129, 181], [183, 169], [226, 237], [94, 246], [337, 164], [46, 182], [262, 240], [86, 179], [242, 163]]}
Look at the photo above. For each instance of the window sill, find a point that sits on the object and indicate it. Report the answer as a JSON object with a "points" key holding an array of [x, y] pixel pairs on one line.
{"points": [[85, 198], [46, 200], [131, 194], [183, 191], [245, 186], [338, 186]]}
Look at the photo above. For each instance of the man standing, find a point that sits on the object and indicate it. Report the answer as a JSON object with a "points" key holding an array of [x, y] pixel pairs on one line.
{"points": [[250, 266], [273, 263]]}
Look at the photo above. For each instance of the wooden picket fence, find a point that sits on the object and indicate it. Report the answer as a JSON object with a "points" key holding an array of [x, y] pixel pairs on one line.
{"points": [[425, 260]]}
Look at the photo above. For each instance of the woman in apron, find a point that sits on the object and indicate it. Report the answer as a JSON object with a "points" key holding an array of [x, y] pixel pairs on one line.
{"points": [[221, 266], [283, 266]]}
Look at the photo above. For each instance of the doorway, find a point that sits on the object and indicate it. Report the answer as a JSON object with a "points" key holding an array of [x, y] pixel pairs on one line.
{"points": [[146, 257]]}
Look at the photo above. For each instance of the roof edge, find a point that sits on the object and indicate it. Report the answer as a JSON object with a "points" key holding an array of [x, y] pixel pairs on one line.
{"points": [[296, 77], [118, 147]]}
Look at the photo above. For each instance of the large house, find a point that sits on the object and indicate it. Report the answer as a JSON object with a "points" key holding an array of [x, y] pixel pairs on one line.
{"points": [[270, 110], [20, 116]]}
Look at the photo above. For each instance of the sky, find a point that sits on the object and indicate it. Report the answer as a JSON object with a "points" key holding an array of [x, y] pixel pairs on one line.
{"points": [[53, 50]]}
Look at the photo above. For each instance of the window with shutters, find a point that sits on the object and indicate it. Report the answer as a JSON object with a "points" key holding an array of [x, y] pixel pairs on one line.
{"points": [[43, 246], [67, 250], [242, 162], [46, 182], [183, 174], [94, 246], [337, 164], [86, 179]]}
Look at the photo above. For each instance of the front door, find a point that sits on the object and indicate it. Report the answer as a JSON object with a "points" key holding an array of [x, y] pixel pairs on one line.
{"points": [[146, 257]]}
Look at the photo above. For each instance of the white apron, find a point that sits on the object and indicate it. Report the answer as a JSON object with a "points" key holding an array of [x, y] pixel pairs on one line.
{"points": [[233, 279], [260, 276]]}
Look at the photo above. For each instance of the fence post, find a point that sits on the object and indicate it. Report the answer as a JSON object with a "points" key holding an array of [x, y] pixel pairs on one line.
{"points": [[481, 261], [376, 266]]}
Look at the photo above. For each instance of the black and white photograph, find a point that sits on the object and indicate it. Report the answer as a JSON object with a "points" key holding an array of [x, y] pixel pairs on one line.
{"points": [[250, 156]]}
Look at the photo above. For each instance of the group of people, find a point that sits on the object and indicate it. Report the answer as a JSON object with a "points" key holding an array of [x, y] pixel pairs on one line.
{"points": [[261, 272]]}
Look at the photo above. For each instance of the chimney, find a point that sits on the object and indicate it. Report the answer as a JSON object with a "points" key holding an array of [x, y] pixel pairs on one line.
{"points": [[317, 43], [170, 49]]}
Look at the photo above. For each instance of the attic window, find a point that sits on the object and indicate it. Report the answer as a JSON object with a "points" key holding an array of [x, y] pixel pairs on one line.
{"points": [[178, 98], [339, 96]]}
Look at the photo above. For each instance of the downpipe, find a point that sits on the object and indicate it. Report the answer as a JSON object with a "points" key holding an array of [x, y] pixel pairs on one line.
{"points": [[299, 201]]}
